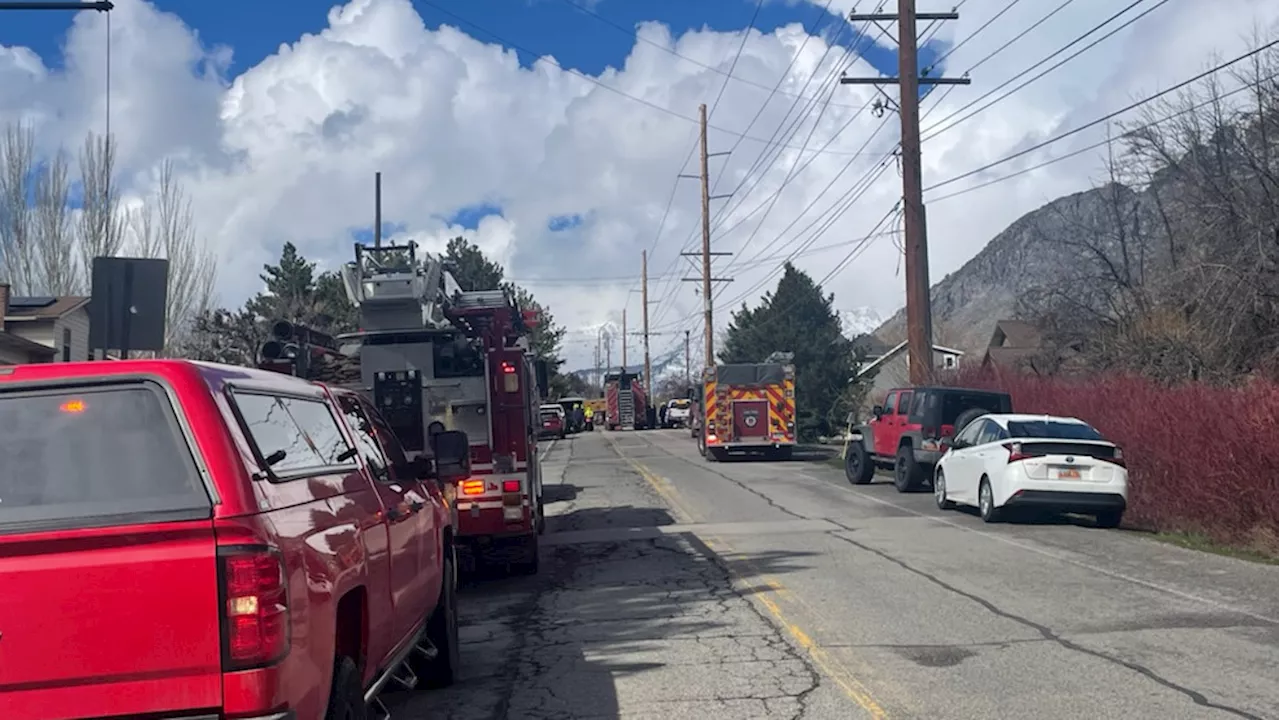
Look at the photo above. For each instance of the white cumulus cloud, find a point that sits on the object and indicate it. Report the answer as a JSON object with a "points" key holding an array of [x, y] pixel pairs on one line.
{"points": [[287, 149]]}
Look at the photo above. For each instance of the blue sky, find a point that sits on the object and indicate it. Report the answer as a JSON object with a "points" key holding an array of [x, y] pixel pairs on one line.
{"points": [[582, 35], [256, 28]]}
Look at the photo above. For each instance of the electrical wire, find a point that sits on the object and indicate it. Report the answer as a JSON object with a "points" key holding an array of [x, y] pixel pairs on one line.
{"points": [[1104, 118], [668, 289], [675, 186], [932, 133], [1083, 150], [596, 81], [587, 11]]}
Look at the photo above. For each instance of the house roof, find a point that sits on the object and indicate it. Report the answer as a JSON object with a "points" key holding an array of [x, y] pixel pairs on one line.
{"points": [[871, 346], [16, 342], [1009, 356], [897, 350], [1015, 334], [43, 308]]}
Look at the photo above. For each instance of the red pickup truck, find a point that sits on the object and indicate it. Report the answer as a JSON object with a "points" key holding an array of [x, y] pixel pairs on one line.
{"points": [[185, 540]]}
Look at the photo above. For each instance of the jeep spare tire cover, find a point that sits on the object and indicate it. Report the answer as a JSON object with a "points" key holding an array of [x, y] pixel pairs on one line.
{"points": [[966, 417]]}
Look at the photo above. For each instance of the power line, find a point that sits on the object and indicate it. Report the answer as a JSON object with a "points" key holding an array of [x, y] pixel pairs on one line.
{"points": [[675, 186], [936, 132], [928, 34], [667, 289], [1094, 146], [986, 58], [686, 58], [595, 81], [1104, 118]]}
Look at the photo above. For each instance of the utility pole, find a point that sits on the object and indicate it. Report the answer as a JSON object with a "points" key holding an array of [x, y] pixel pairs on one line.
{"points": [[644, 315], [707, 315], [624, 339], [688, 382], [377, 209], [915, 235], [709, 353]]}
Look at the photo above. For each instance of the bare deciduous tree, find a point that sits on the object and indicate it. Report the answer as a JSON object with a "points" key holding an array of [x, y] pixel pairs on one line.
{"points": [[164, 227], [57, 273], [1173, 263], [101, 224], [17, 250]]}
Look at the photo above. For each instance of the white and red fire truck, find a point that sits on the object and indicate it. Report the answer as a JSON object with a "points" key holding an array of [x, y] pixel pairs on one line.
{"points": [[435, 359]]}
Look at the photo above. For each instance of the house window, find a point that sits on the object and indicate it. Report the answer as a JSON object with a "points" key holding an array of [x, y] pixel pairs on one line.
{"points": [[948, 361], [66, 345]]}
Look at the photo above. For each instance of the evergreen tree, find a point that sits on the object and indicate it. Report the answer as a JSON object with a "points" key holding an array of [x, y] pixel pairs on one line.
{"points": [[796, 317], [470, 267]]}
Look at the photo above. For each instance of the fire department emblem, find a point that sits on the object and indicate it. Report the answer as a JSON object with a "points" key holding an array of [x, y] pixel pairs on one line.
{"points": [[750, 420]]}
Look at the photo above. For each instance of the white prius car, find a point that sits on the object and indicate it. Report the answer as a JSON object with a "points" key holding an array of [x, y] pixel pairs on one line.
{"points": [[1058, 464]]}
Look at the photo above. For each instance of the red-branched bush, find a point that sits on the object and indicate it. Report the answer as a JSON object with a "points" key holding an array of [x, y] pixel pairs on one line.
{"points": [[1201, 459]]}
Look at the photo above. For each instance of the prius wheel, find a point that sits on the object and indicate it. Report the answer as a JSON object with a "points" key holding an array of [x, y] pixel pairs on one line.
{"points": [[940, 492], [987, 509]]}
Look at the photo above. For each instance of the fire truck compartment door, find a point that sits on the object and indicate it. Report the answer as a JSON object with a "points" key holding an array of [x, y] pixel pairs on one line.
{"points": [[472, 418], [750, 419]]}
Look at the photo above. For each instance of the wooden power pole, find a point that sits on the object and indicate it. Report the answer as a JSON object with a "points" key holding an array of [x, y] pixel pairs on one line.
{"points": [[915, 237], [624, 339], [707, 315], [703, 176], [644, 316]]}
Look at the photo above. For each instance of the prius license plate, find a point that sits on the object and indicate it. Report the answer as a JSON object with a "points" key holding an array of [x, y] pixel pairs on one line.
{"points": [[1068, 474]]}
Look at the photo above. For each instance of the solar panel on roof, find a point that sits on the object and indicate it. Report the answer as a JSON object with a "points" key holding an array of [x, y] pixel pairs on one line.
{"points": [[32, 302]]}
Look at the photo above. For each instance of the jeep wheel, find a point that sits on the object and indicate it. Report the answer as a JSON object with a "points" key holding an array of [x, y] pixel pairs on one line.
{"points": [[858, 468], [907, 476]]}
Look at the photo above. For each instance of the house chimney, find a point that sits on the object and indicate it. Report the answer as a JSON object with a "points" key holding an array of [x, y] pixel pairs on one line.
{"points": [[4, 304]]}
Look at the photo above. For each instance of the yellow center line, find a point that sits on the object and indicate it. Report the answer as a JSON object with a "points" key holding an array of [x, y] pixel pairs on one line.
{"points": [[833, 668]]}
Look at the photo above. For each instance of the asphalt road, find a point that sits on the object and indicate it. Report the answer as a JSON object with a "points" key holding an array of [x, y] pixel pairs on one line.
{"points": [[676, 588]]}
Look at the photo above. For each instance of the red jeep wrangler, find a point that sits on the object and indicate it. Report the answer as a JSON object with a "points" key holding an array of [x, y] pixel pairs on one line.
{"points": [[905, 433], [189, 540]]}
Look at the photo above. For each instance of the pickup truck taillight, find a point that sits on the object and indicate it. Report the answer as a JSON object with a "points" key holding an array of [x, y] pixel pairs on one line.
{"points": [[255, 607]]}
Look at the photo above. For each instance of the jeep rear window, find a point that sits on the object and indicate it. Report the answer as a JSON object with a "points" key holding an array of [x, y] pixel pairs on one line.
{"points": [[954, 403], [93, 456]]}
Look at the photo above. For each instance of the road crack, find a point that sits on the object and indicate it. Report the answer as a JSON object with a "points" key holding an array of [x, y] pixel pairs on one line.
{"points": [[1049, 634]]}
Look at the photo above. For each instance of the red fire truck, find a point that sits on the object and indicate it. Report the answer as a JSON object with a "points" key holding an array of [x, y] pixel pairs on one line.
{"points": [[434, 358], [626, 404]]}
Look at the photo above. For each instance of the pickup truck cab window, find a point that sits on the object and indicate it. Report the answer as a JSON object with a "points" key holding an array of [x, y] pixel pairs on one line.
{"points": [[366, 440], [293, 435]]}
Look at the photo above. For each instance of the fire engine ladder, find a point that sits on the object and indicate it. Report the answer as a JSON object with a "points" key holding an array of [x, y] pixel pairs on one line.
{"points": [[626, 407]]}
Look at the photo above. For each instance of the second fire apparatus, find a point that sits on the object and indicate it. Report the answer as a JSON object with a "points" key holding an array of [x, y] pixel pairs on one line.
{"points": [[434, 358], [748, 407], [626, 404]]}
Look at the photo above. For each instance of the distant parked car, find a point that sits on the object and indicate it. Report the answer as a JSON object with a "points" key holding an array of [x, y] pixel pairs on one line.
{"points": [[1002, 462], [551, 422]]}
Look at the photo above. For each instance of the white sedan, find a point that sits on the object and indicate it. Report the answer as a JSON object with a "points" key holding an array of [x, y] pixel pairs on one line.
{"points": [[1060, 464]]}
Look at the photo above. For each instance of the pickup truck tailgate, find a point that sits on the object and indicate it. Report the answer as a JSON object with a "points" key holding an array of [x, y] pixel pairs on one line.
{"points": [[109, 600]]}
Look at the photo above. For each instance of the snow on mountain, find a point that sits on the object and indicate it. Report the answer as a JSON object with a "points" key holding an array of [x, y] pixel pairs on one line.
{"points": [[859, 321]]}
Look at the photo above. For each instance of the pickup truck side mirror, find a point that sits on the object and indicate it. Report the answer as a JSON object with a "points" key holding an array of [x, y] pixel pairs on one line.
{"points": [[419, 468], [877, 410], [453, 453]]}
